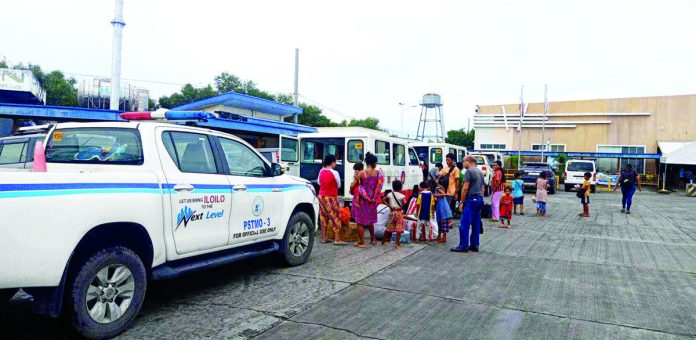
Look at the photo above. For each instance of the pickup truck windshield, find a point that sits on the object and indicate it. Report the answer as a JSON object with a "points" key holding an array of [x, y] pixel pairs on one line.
{"points": [[95, 146]]}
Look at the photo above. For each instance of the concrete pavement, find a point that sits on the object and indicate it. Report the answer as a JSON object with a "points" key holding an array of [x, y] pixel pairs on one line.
{"points": [[562, 276]]}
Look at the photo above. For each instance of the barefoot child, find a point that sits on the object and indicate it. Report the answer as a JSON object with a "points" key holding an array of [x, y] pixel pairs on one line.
{"points": [[518, 193], [395, 201], [506, 202], [443, 214], [426, 205]]}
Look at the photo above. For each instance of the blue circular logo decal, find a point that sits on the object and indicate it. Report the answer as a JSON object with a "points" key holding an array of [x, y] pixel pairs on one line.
{"points": [[257, 206]]}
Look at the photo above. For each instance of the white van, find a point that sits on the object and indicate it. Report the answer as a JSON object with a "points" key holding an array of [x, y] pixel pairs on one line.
{"points": [[350, 144], [286, 154], [575, 173], [493, 156]]}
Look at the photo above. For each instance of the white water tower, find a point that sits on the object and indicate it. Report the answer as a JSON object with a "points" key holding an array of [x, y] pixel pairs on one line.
{"points": [[431, 126]]}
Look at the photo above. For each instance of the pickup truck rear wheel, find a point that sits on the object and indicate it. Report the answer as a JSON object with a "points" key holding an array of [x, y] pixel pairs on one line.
{"points": [[298, 240], [107, 293]]}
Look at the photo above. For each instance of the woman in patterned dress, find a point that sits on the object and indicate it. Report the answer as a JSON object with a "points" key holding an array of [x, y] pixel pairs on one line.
{"points": [[329, 207], [371, 181]]}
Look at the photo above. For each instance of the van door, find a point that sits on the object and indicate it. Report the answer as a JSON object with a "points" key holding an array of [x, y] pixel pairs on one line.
{"points": [[200, 196], [415, 174], [289, 154], [258, 198]]}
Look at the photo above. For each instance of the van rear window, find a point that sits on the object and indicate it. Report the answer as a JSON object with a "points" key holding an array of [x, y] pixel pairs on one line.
{"points": [[580, 166], [95, 146]]}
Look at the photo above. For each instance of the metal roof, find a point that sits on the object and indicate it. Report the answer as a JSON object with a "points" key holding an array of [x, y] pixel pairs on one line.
{"points": [[242, 101], [64, 113]]}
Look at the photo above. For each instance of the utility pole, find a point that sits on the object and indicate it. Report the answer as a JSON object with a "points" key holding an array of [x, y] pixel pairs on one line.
{"points": [[519, 129], [118, 25], [296, 94], [543, 123]]}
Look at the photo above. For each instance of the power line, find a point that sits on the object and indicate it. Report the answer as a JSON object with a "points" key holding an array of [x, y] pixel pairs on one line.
{"points": [[340, 113]]}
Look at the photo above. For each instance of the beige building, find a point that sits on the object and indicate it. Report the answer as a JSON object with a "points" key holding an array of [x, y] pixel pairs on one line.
{"points": [[621, 125]]}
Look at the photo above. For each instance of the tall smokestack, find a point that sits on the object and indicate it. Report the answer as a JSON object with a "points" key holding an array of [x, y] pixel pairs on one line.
{"points": [[118, 25]]}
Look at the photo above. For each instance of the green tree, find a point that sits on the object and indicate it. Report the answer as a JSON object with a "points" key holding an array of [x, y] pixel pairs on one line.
{"points": [[227, 82], [369, 123], [461, 138], [3, 64], [312, 116], [152, 104], [187, 95]]}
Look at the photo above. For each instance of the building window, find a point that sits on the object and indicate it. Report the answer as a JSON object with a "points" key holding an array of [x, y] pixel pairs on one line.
{"points": [[493, 146], [614, 165], [554, 147]]}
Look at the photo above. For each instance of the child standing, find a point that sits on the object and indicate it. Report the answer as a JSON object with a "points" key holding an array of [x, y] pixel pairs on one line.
{"points": [[541, 194], [443, 214], [426, 207], [518, 193], [395, 224], [506, 202], [584, 195]]}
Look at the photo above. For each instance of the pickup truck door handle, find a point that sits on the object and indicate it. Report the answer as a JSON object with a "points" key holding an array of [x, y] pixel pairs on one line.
{"points": [[276, 190], [240, 187], [183, 187]]}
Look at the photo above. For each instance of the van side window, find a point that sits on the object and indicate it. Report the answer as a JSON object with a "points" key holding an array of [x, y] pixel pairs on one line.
{"points": [[12, 153], [399, 155], [413, 158], [382, 152], [356, 151], [241, 160], [312, 152], [190, 151], [435, 155]]}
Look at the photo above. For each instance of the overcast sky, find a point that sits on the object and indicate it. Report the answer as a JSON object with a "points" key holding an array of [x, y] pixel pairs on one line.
{"points": [[362, 58]]}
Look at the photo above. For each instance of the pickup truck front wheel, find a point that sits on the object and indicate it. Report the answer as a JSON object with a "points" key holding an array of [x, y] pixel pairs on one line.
{"points": [[298, 240], [107, 293]]}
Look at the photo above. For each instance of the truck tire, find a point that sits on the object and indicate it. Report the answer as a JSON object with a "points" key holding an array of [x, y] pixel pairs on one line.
{"points": [[6, 295], [593, 188], [552, 189], [298, 241], [567, 188], [106, 293]]}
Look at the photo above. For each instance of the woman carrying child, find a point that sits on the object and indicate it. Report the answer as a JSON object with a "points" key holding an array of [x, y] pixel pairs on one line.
{"points": [[541, 194], [395, 201], [370, 187], [443, 213]]}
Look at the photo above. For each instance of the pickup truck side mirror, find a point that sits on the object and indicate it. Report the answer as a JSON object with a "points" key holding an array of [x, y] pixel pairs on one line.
{"points": [[277, 169]]}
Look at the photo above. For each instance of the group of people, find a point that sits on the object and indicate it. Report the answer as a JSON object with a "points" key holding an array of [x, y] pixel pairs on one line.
{"points": [[434, 203]]}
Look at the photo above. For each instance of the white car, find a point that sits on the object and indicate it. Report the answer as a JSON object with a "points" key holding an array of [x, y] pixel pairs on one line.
{"points": [[575, 173], [483, 164], [127, 202]]}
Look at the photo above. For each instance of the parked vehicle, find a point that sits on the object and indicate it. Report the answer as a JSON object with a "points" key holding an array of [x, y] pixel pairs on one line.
{"points": [[127, 202], [493, 156], [575, 173], [436, 152], [350, 144], [287, 155], [531, 171], [17, 151], [485, 166]]}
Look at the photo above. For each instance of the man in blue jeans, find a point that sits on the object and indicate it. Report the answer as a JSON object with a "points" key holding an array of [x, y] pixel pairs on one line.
{"points": [[471, 203]]}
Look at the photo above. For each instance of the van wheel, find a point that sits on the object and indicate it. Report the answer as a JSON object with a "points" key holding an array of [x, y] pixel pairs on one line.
{"points": [[593, 189], [552, 189], [567, 188], [6, 295], [107, 293], [298, 240]]}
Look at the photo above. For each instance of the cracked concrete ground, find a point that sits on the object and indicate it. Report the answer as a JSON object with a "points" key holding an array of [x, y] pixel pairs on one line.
{"points": [[562, 276]]}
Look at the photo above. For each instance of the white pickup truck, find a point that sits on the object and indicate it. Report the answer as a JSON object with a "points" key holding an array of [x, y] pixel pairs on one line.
{"points": [[127, 202]]}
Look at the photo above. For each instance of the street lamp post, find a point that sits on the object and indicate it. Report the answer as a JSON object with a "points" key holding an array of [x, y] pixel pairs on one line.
{"points": [[404, 107]]}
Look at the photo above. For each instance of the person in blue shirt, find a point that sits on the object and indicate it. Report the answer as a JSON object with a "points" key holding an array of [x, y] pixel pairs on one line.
{"points": [[518, 193]]}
